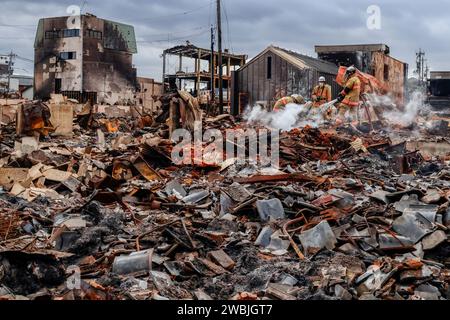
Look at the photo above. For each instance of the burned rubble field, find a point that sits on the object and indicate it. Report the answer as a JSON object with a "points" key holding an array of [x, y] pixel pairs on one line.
{"points": [[106, 215]]}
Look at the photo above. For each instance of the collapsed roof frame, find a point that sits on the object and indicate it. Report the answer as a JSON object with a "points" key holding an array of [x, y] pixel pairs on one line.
{"points": [[198, 76]]}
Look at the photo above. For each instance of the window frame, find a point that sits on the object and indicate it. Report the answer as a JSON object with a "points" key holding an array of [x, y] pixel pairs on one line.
{"points": [[67, 55], [269, 64], [62, 33]]}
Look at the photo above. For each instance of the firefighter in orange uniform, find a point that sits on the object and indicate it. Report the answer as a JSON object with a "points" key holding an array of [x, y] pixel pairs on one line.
{"points": [[348, 99], [281, 104], [321, 93]]}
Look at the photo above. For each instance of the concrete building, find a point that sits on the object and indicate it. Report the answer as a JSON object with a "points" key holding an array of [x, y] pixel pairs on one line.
{"points": [[373, 59], [85, 59]]}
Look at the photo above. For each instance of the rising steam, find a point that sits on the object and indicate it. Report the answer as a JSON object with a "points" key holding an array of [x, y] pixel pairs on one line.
{"points": [[412, 109], [292, 116], [295, 116]]}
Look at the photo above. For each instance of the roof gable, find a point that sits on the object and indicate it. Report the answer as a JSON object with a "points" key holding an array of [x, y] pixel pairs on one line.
{"points": [[298, 60]]}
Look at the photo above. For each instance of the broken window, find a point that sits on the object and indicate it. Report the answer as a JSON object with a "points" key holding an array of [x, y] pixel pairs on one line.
{"points": [[94, 34], [386, 72], [269, 67], [72, 55], [65, 33], [58, 85], [51, 34]]}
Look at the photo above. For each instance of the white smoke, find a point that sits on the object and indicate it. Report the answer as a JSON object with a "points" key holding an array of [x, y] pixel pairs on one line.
{"points": [[297, 116], [292, 116], [381, 101], [413, 108]]}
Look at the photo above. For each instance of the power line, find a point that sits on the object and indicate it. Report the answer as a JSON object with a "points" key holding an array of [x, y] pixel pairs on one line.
{"points": [[175, 14], [209, 14], [17, 25], [24, 59], [143, 19], [16, 38], [171, 40], [175, 32], [82, 6], [230, 44]]}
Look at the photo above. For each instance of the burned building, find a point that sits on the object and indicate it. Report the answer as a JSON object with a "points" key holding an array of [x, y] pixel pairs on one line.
{"points": [[148, 93], [373, 59], [86, 59], [198, 69], [277, 72], [4, 64], [439, 89]]}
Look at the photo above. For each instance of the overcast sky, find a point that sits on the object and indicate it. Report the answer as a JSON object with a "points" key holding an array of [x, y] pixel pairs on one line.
{"points": [[249, 26]]}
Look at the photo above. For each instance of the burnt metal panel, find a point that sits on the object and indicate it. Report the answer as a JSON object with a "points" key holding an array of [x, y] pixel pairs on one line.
{"points": [[392, 73], [351, 48], [440, 87], [119, 36], [361, 60], [437, 75]]}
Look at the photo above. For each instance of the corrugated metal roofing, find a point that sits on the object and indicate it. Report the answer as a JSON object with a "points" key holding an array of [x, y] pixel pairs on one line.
{"points": [[306, 61], [299, 60]]}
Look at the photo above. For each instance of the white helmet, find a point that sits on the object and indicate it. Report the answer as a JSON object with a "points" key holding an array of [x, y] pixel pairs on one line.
{"points": [[350, 70], [298, 98], [322, 79]]}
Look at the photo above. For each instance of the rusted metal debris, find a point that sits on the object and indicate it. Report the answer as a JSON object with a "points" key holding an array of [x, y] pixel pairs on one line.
{"points": [[108, 215]]}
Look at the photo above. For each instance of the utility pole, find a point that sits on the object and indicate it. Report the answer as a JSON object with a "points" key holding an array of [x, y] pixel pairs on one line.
{"points": [[421, 68], [10, 71], [219, 39], [211, 64]]}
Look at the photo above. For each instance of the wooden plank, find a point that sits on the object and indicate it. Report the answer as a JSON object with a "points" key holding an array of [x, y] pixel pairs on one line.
{"points": [[277, 79], [9, 176], [250, 83], [222, 259], [284, 77], [62, 119], [19, 120], [56, 175], [261, 76]]}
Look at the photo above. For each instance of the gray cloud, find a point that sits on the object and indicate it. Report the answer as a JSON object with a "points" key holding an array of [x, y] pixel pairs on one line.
{"points": [[294, 24]]}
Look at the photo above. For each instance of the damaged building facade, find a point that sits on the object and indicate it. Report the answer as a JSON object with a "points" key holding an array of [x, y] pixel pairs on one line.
{"points": [[149, 89], [277, 72], [373, 59], [89, 59], [439, 89], [4, 64]]}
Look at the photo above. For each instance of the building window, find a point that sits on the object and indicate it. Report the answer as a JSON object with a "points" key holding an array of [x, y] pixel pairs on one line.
{"points": [[65, 33], [68, 55], [51, 34], [386, 72], [93, 34], [58, 85], [68, 33], [269, 67]]}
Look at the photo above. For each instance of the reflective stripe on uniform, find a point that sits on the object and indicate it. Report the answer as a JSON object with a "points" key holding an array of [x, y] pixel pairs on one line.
{"points": [[350, 103]]}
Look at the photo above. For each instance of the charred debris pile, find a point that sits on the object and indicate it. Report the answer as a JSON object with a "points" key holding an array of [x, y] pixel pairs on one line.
{"points": [[105, 214]]}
